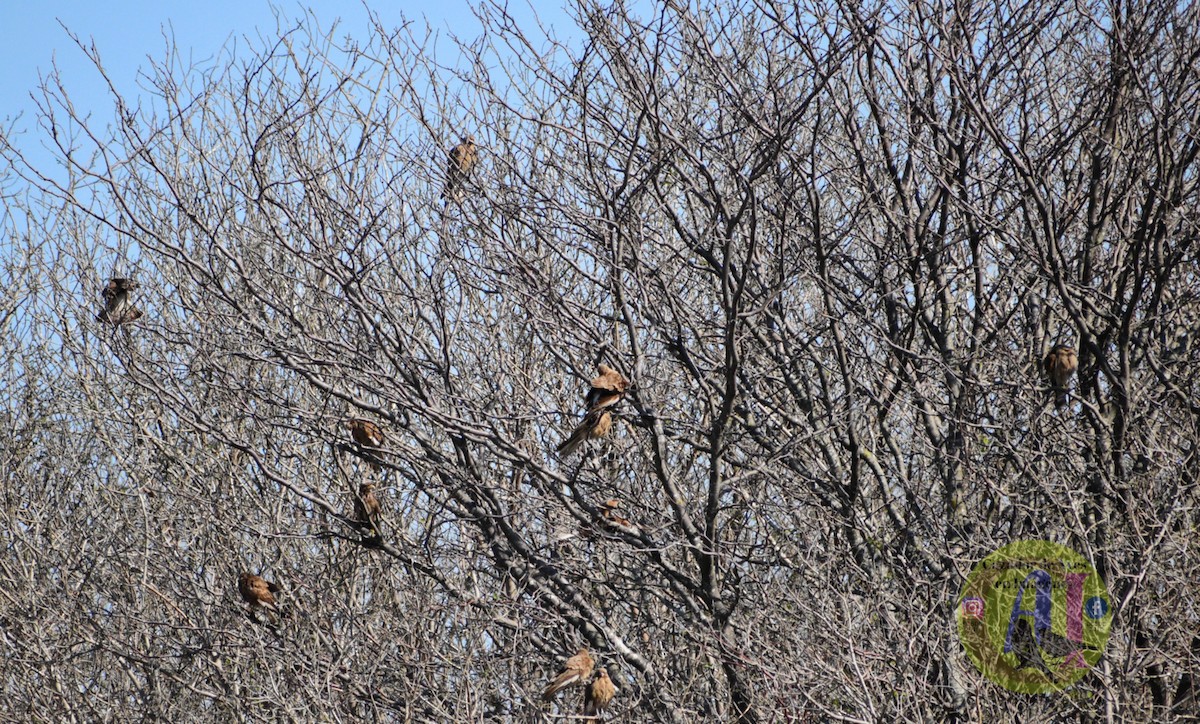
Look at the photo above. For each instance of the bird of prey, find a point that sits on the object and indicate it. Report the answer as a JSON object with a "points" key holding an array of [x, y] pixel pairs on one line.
{"points": [[595, 425], [1060, 364], [366, 507], [1026, 649], [607, 389], [599, 695], [607, 517], [608, 511], [117, 307], [463, 158], [369, 438], [576, 671], [1058, 646], [258, 592]]}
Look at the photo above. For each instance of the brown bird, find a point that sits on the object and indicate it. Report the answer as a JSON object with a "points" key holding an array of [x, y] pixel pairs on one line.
{"points": [[608, 511], [117, 307], [1060, 365], [607, 516], [369, 438], [599, 695], [366, 506], [576, 671], [463, 159], [595, 425], [607, 390], [258, 592]]}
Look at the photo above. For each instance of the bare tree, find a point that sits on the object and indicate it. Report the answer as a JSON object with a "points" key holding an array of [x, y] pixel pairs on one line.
{"points": [[828, 244]]}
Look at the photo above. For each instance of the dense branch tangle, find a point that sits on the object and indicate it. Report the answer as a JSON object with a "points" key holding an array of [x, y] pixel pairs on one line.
{"points": [[828, 244]]}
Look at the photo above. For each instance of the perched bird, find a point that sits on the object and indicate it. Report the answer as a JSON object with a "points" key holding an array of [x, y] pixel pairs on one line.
{"points": [[1058, 646], [607, 390], [607, 516], [1060, 364], [366, 433], [117, 307], [366, 506], [608, 511], [369, 437], [576, 671], [595, 425], [463, 158], [599, 695], [1026, 649], [258, 592]]}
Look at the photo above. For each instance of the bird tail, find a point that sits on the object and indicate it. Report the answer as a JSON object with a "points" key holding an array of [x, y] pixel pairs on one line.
{"points": [[1060, 397], [562, 682], [369, 523], [271, 611], [453, 192], [571, 444]]}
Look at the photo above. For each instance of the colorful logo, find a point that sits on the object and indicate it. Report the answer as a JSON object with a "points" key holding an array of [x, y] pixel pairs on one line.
{"points": [[1034, 617]]}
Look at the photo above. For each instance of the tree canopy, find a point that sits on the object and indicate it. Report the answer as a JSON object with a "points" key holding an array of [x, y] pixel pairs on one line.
{"points": [[827, 244]]}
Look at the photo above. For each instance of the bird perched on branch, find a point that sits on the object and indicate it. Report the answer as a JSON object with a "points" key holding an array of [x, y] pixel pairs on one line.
{"points": [[607, 517], [595, 425], [608, 511], [599, 695], [366, 507], [1058, 646], [1060, 365], [117, 307], [369, 438], [1025, 647], [463, 159], [575, 671], [258, 592], [607, 389]]}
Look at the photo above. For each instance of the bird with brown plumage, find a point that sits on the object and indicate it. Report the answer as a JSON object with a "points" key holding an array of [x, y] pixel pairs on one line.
{"points": [[369, 438], [367, 510], [596, 424], [118, 309], [259, 593], [1060, 364], [463, 159], [598, 696], [607, 389], [575, 672], [608, 512]]}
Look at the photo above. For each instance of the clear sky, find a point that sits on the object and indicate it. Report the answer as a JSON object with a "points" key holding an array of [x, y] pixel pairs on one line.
{"points": [[125, 32]]}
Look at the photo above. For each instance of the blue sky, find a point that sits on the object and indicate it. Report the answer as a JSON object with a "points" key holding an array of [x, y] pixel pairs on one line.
{"points": [[126, 31]]}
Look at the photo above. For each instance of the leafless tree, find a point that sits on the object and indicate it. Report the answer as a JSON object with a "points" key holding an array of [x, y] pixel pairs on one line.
{"points": [[828, 243]]}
